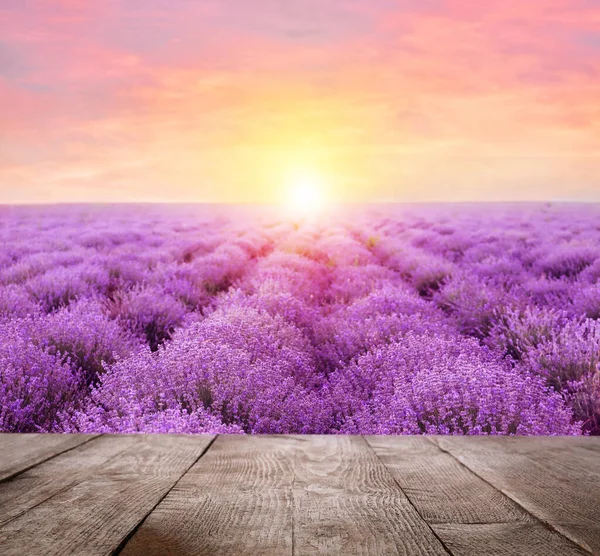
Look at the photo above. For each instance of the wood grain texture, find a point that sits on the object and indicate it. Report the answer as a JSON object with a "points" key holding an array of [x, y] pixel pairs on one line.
{"points": [[286, 495], [559, 483], [470, 516], [278, 495], [346, 502], [20, 452], [43, 482], [505, 539], [528, 444], [443, 490], [235, 501], [94, 514]]}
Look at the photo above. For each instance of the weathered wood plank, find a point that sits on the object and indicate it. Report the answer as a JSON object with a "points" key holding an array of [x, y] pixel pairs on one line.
{"points": [[43, 482], [504, 539], [286, 495], [442, 490], [461, 507], [299, 495], [559, 483], [528, 444], [235, 501], [346, 502], [20, 452], [94, 514]]}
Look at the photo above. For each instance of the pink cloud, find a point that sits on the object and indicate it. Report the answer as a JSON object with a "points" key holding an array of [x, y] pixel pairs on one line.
{"points": [[111, 85]]}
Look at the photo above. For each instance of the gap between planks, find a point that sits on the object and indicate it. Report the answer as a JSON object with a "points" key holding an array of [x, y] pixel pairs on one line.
{"points": [[122, 544], [90, 500], [419, 513], [57, 444], [238, 501], [470, 515], [310, 457], [537, 513]]}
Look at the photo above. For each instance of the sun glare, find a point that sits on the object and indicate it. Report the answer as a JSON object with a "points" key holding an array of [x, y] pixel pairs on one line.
{"points": [[305, 193]]}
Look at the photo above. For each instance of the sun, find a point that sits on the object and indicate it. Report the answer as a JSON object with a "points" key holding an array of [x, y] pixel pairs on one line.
{"points": [[305, 192]]}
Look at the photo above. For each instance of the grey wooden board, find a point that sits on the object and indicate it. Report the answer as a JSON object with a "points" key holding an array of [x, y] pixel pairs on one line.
{"points": [[504, 539], [43, 482], [286, 495], [236, 500], [94, 514], [443, 490], [558, 483], [277, 495], [22, 451], [346, 502], [462, 508]]}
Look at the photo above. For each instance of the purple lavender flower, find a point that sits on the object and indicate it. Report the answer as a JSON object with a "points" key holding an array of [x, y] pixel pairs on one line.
{"points": [[422, 319]]}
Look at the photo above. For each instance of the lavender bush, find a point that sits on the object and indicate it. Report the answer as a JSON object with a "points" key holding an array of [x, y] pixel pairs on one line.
{"points": [[391, 320]]}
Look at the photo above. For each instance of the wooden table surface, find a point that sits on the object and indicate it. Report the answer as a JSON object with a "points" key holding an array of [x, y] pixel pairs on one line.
{"points": [[279, 495]]}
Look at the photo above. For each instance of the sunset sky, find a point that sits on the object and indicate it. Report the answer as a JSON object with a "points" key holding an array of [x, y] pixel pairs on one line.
{"points": [[228, 100]]}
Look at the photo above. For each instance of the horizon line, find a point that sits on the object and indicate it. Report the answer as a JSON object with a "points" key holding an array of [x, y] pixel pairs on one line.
{"points": [[277, 204]]}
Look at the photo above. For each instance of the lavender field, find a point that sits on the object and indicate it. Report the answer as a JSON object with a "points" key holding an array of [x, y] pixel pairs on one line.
{"points": [[422, 319]]}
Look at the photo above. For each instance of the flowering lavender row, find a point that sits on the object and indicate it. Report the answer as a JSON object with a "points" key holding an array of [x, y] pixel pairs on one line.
{"points": [[477, 319]]}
